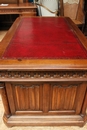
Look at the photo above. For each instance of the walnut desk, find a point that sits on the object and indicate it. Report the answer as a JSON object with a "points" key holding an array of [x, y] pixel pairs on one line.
{"points": [[21, 9], [43, 73]]}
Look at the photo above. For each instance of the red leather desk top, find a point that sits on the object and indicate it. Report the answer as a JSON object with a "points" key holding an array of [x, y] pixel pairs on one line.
{"points": [[45, 38]]}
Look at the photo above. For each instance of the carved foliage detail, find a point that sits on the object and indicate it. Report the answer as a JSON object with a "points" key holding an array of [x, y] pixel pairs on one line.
{"points": [[2, 85], [26, 86], [43, 75]]}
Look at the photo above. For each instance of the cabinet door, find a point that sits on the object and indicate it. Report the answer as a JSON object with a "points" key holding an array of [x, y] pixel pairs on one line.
{"points": [[24, 97], [46, 98], [67, 98]]}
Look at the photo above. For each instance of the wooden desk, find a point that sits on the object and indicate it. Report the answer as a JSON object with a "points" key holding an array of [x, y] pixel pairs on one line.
{"points": [[21, 9], [43, 73]]}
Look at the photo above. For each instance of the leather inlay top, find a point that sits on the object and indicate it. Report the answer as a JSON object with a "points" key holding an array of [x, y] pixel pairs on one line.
{"points": [[45, 38]]}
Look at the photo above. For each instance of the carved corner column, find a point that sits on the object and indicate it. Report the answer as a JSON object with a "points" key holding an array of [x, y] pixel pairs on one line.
{"points": [[4, 100], [84, 109]]}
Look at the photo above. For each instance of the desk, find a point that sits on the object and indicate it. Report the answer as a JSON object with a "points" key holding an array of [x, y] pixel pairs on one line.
{"points": [[21, 9], [9, 13], [43, 73]]}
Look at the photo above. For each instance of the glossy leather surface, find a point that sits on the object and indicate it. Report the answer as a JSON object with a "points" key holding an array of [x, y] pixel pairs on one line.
{"points": [[45, 38]]}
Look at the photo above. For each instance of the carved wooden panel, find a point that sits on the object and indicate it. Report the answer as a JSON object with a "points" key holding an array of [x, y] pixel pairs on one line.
{"points": [[66, 96], [27, 96], [63, 98], [43, 76], [47, 98]]}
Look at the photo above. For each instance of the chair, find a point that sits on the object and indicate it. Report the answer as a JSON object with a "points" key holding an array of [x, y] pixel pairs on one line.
{"points": [[47, 7], [74, 10]]}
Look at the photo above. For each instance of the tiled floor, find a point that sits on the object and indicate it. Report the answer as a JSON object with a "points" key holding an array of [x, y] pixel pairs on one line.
{"points": [[3, 127]]}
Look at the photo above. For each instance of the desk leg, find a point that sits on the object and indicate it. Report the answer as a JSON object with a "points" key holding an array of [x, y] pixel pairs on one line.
{"points": [[4, 100], [84, 109]]}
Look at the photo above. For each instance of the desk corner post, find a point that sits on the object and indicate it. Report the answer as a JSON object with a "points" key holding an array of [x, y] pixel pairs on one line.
{"points": [[5, 100], [84, 108]]}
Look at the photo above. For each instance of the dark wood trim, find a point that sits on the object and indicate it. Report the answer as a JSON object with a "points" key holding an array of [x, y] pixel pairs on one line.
{"points": [[61, 8]]}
